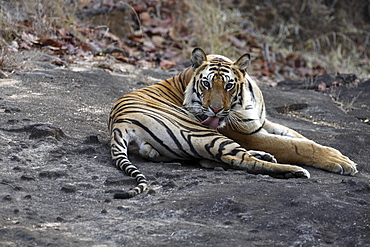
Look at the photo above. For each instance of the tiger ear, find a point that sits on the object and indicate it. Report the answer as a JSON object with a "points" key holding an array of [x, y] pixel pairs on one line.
{"points": [[198, 57], [243, 62]]}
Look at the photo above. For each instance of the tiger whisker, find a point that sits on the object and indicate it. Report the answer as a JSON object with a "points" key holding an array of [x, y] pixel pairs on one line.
{"points": [[235, 121]]}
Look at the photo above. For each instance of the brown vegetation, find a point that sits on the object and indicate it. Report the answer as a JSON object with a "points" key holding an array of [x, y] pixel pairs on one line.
{"points": [[287, 39]]}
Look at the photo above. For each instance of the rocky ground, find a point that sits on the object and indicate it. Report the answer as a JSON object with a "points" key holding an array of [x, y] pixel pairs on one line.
{"points": [[57, 180]]}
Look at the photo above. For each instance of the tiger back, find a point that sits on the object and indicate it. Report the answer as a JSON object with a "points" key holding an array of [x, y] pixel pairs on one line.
{"points": [[212, 112]]}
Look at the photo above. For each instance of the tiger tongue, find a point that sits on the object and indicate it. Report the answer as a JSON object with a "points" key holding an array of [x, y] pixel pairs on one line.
{"points": [[211, 122]]}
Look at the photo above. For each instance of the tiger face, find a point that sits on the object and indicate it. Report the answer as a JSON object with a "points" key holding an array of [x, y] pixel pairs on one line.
{"points": [[215, 94]]}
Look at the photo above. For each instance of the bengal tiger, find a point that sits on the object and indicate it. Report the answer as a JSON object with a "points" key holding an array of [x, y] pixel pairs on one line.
{"points": [[212, 112]]}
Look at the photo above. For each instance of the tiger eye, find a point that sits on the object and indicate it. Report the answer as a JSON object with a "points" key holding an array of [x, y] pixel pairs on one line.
{"points": [[229, 86], [206, 84]]}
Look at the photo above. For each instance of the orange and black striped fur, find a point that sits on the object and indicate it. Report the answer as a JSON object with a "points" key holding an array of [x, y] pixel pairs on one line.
{"points": [[212, 112]]}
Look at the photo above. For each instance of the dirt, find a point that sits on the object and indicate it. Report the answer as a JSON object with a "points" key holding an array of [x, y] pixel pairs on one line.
{"points": [[57, 180]]}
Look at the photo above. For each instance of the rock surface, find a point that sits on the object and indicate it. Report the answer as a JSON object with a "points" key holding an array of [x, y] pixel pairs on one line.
{"points": [[57, 180]]}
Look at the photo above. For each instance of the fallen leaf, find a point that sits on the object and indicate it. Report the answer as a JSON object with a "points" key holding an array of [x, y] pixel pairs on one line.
{"points": [[24, 45], [145, 18], [29, 37], [167, 64], [159, 30], [50, 42], [62, 32], [148, 45], [158, 40], [321, 87]]}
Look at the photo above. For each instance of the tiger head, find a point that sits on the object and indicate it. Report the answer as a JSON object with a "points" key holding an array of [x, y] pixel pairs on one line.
{"points": [[216, 92]]}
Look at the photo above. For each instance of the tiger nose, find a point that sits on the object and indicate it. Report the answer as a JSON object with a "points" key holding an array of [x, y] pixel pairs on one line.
{"points": [[216, 109]]}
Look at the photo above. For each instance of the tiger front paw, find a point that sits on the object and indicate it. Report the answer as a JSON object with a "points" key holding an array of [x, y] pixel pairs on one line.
{"points": [[288, 171], [262, 156], [332, 160]]}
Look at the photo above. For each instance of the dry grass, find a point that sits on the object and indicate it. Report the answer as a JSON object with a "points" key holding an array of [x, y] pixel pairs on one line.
{"points": [[322, 33], [42, 17], [35, 18], [331, 33], [211, 25]]}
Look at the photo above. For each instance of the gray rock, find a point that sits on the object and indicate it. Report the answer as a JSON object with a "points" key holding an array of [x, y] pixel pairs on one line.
{"points": [[186, 205]]}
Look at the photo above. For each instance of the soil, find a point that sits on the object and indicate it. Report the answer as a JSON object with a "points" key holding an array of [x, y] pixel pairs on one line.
{"points": [[57, 180]]}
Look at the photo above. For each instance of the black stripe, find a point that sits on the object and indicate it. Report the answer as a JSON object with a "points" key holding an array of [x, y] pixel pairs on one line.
{"points": [[251, 133], [251, 89], [209, 146], [176, 111], [235, 151], [242, 160], [170, 91], [196, 101], [257, 130], [181, 77], [184, 154], [152, 135], [195, 133], [144, 104], [115, 130], [246, 120], [262, 110], [159, 98], [148, 90], [221, 147], [219, 69]]}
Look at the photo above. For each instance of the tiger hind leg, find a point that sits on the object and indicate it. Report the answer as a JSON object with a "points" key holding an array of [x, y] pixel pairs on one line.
{"points": [[147, 151]]}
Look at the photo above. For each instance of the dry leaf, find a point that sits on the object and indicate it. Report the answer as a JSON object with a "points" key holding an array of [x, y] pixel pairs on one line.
{"points": [[145, 18], [158, 40], [166, 64], [321, 87], [29, 37], [50, 42]]}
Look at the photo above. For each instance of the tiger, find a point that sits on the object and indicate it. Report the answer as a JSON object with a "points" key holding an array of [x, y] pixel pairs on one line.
{"points": [[212, 112]]}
